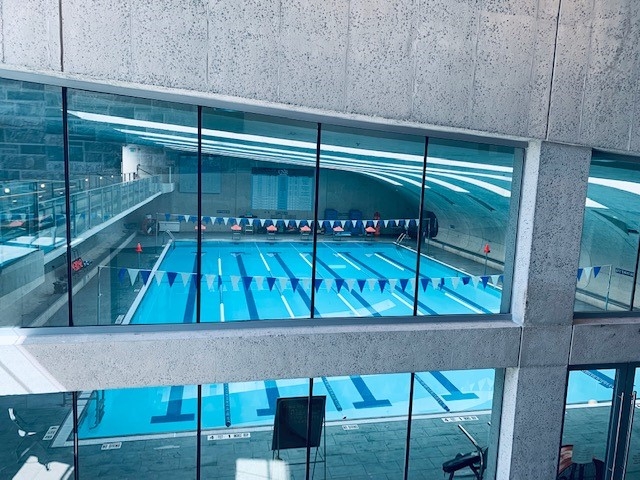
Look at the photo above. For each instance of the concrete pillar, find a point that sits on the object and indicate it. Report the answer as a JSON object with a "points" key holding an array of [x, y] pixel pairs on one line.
{"points": [[554, 185]]}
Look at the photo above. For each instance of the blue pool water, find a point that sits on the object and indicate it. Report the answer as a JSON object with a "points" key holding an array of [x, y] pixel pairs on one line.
{"points": [[252, 280]]}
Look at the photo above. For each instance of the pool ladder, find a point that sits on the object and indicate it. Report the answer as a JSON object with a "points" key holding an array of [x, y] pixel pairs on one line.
{"points": [[399, 240]]}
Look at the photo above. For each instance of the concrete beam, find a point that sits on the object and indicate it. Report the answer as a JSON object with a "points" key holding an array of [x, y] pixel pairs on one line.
{"points": [[81, 358], [605, 341]]}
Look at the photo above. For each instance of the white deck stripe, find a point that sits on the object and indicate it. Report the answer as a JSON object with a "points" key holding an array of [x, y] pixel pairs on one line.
{"points": [[403, 301], [221, 312], [461, 302], [389, 262]]}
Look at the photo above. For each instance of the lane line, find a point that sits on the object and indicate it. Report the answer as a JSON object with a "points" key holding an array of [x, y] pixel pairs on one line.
{"points": [[404, 302], [462, 302], [348, 261], [389, 261], [302, 255], [286, 305], [264, 260], [349, 306]]}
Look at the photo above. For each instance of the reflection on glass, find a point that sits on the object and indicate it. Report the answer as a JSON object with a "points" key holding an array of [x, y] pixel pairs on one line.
{"points": [[465, 219], [238, 430], [369, 203], [586, 420], [633, 455], [33, 446], [126, 185], [159, 421], [33, 273], [441, 402], [366, 424], [258, 188], [609, 235]]}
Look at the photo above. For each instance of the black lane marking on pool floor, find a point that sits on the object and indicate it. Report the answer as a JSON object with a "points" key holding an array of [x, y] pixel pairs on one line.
{"points": [[271, 389], [290, 274], [435, 396], [248, 295], [600, 377], [454, 392], [447, 289], [174, 409], [368, 399], [398, 288], [355, 294], [189, 309]]}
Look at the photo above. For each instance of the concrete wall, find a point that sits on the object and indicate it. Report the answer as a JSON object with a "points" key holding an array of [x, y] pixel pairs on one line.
{"points": [[501, 70]]}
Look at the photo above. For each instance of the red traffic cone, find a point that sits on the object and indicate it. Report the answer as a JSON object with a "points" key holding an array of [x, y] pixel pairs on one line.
{"points": [[138, 248], [487, 249]]}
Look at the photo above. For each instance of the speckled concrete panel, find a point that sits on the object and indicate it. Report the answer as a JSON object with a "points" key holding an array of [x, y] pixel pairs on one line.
{"points": [[611, 82], [548, 345], [243, 48], [531, 427], [502, 87], [606, 341], [97, 40], [549, 230], [380, 64], [169, 43], [31, 33], [634, 140], [313, 49], [86, 360], [572, 53], [444, 62]]}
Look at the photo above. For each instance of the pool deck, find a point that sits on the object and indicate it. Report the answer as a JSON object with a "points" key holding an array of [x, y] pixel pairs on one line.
{"points": [[362, 450]]}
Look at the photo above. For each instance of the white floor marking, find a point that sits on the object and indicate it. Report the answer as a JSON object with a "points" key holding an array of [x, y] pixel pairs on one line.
{"points": [[286, 305], [264, 260], [389, 262], [461, 302], [302, 255], [349, 306], [403, 301], [348, 261], [221, 312]]}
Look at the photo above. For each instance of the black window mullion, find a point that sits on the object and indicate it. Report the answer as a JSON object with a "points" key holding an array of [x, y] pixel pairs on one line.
{"points": [[315, 222], [67, 201], [416, 289]]}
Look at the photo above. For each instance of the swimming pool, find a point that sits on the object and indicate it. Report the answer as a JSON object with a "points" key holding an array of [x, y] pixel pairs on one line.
{"points": [[259, 280]]}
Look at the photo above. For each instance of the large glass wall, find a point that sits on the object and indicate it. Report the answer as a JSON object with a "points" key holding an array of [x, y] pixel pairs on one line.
{"points": [[33, 234], [368, 200], [258, 190], [607, 274], [184, 214], [467, 209], [122, 259], [358, 428]]}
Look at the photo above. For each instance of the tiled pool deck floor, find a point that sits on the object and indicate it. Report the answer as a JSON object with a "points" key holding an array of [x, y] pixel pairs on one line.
{"points": [[375, 450]]}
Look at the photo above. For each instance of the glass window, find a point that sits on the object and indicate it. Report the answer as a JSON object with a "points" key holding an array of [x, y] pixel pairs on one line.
{"points": [[586, 420], [34, 436], [33, 271], [238, 433], [134, 202], [366, 424], [607, 270], [465, 218], [451, 411], [368, 208], [137, 432], [258, 190]]}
